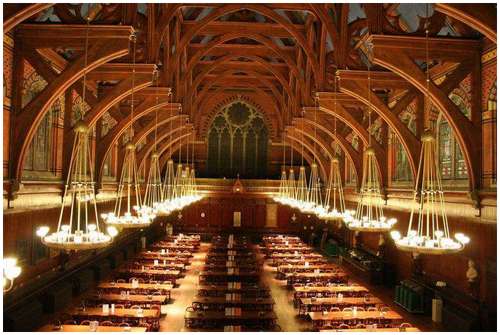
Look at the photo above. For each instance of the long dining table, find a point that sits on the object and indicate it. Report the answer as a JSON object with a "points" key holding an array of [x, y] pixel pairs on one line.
{"points": [[86, 328], [131, 316], [246, 290], [307, 305], [319, 319]]}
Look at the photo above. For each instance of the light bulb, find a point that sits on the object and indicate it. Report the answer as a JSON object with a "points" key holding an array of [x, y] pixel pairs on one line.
{"points": [[112, 231], [396, 235], [42, 231]]}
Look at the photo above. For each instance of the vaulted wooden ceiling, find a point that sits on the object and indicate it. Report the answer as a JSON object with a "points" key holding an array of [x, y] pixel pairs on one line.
{"points": [[278, 55]]}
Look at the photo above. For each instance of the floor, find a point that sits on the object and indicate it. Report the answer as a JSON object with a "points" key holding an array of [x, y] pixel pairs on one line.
{"points": [[183, 296], [288, 319]]}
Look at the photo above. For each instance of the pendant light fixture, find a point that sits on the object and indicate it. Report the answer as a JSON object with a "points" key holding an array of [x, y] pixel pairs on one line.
{"points": [[194, 194], [369, 215], [75, 230], [334, 205], [282, 191], [314, 202], [153, 195], [129, 186], [169, 180], [428, 230], [302, 192]]}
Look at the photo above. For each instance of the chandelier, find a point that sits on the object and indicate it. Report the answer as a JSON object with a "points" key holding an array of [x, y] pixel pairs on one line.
{"points": [[314, 203], [74, 231], [10, 272], [282, 190], [153, 196], [334, 205], [182, 191], [280, 198], [168, 189], [430, 233], [369, 216], [129, 185]]}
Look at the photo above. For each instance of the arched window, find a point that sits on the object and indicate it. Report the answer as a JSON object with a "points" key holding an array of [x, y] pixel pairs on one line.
{"points": [[237, 143], [40, 157]]}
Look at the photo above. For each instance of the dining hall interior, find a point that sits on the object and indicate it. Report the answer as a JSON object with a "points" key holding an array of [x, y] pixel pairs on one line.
{"points": [[295, 167]]}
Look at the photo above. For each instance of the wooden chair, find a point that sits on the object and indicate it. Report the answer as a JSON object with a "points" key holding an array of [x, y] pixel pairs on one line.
{"points": [[117, 306], [360, 326], [135, 307], [405, 325], [343, 326], [385, 309], [107, 323], [85, 323], [121, 281], [69, 322], [347, 309], [123, 324], [372, 309], [131, 280], [360, 309], [334, 309]]}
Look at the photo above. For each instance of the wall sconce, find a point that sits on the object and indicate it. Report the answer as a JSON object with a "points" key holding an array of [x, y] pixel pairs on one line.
{"points": [[202, 214], [10, 272]]}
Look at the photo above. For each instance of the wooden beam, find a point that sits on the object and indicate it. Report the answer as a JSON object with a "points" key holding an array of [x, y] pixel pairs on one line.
{"points": [[22, 14], [70, 36], [443, 48], [481, 17], [222, 27], [29, 119]]}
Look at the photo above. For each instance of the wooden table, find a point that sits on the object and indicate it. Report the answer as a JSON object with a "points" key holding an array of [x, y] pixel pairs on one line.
{"points": [[327, 291], [225, 276], [81, 329], [218, 267], [131, 299], [319, 319], [307, 305], [359, 330], [119, 312], [141, 286], [151, 316], [279, 259], [303, 277], [172, 246], [215, 319], [219, 303], [246, 290], [169, 275], [151, 264], [283, 270], [169, 259]]}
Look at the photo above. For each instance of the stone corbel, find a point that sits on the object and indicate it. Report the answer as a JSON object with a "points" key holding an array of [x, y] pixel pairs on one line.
{"points": [[476, 201]]}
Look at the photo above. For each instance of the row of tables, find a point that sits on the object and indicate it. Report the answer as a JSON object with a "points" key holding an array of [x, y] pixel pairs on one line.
{"points": [[135, 297], [323, 293], [230, 294]]}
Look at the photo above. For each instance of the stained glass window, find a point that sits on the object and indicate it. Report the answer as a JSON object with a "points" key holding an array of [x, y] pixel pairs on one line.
{"points": [[237, 143], [451, 159], [350, 174], [39, 157], [401, 168]]}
